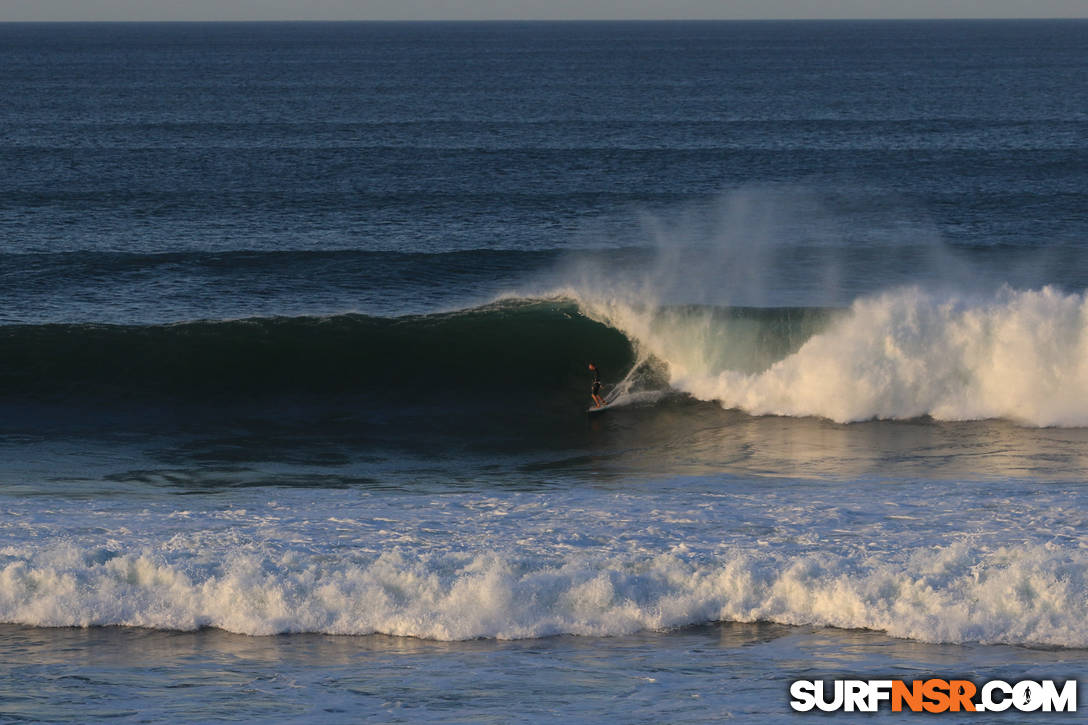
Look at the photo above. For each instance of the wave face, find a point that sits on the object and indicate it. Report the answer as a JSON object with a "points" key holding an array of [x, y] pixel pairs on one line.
{"points": [[1017, 355], [907, 353], [348, 364]]}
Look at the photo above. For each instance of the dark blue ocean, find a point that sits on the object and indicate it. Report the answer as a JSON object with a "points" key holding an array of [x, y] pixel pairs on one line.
{"points": [[294, 330]]}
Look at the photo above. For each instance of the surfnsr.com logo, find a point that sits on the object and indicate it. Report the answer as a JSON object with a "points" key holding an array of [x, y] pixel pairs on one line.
{"points": [[933, 695]]}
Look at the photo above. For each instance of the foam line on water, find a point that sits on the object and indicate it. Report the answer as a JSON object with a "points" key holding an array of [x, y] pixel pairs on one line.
{"points": [[992, 563], [1029, 596]]}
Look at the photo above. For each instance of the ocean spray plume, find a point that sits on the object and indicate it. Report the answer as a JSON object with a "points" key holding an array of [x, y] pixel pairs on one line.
{"points": [[772, 245], [950, 349]]}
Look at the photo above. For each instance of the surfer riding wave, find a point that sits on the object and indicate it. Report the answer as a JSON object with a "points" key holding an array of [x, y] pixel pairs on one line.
{"points": [[595, 392]]}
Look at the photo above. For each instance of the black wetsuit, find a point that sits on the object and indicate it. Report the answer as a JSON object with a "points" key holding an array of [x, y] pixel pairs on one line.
{"points": [[596, 380]]}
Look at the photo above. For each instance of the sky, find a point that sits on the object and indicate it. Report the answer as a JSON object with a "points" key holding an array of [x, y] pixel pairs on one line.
{"points": [[112, 10]]}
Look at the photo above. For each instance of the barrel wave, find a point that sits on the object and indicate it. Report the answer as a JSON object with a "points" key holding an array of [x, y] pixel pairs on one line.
{"points": [[904, 354]]}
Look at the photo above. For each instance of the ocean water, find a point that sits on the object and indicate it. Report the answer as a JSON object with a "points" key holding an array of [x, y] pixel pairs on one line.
{"points": [[294, 326]]}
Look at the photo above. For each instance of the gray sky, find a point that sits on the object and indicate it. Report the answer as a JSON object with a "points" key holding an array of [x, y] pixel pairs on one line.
{"points": [[529, 9]]}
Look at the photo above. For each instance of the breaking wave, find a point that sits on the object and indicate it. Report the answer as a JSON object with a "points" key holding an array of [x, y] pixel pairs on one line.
{"points": [[907, 353], [1024, 595]]}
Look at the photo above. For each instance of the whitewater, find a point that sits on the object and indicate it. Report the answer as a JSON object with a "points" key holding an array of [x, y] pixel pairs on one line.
{"points": [[1020, 355], [931, 562]]}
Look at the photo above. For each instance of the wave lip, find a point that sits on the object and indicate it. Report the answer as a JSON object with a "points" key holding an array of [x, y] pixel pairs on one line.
{"points": [[1034, 595]]}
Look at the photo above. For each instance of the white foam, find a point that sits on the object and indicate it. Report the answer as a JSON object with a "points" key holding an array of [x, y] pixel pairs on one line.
{"points": [[1018, 355], [954, 594], [524, 565]]}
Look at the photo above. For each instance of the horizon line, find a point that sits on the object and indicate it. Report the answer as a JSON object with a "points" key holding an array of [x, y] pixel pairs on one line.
{"points": [[544, 20]]}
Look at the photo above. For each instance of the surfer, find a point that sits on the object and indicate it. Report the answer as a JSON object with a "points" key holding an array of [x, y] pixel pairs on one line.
{"points": [[598, 401]]}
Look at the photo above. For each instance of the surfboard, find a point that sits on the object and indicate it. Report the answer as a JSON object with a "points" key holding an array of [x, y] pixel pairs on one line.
{"points": [[595, 410]]}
